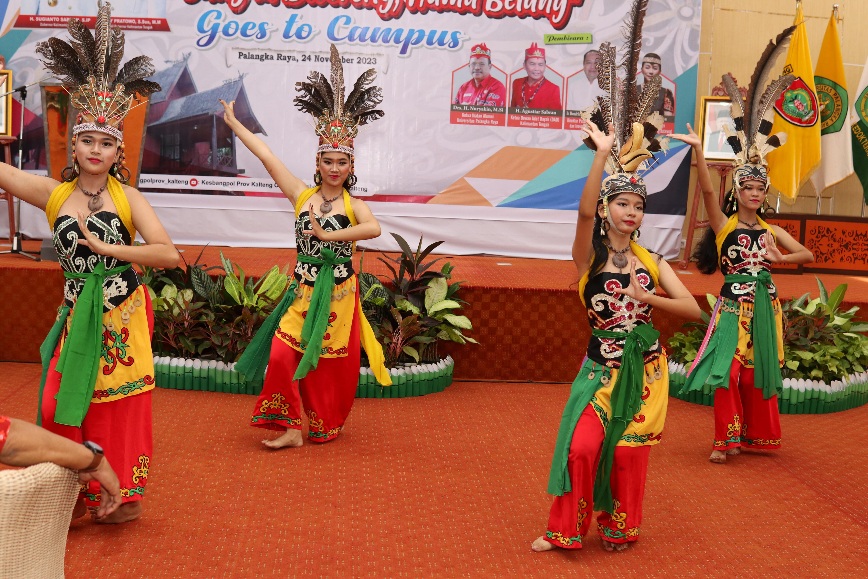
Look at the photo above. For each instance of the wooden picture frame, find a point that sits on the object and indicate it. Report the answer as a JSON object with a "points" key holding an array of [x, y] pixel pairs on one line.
{"points": [[715, 114], [6, 103]]}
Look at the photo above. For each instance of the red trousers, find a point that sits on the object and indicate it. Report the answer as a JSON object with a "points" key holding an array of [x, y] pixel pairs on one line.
{"points": [[326, 393], [570, 515], [742, 417], [122, 428]]}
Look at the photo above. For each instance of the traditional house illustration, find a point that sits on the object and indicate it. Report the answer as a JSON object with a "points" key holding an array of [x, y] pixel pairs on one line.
{"points": [[186, 134]]}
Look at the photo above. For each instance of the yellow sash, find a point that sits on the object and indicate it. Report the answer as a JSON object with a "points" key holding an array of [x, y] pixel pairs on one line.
{"points": [[62, 192], [731, 225], [645, 258]]}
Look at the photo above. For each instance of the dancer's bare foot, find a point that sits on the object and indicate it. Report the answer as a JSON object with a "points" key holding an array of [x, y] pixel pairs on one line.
{"points": [[125, 513], [717, 457], [289, 439], [541, 545], [734, 451], [611, 547]]}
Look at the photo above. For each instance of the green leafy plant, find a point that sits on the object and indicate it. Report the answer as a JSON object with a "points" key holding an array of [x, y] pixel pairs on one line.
{"points": [[821, 341], [213, 312], [209, 312], [416, 292]]}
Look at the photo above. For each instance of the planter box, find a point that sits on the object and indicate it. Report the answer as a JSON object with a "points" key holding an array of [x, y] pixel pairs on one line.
{"points": [[214, 376], [408, 380], [797, 397]]}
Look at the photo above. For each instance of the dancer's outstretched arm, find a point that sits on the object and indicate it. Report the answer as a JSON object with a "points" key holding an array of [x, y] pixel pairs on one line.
{"points": [[590, 196], [289, 184], [716, 217], [32, 189]]}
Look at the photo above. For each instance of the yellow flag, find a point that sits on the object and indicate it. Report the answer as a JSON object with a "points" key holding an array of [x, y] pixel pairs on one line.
{"points": [[831, 83], [798, 116]]}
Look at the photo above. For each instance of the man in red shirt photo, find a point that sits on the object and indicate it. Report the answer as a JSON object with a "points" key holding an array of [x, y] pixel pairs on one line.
{"points": [[482, 89], [535, 91]]}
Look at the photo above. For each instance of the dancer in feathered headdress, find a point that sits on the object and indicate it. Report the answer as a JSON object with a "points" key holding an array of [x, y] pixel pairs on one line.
{"points": [[742, 354], [311, 341], [102, 91], [98, 364], [617, 405]]}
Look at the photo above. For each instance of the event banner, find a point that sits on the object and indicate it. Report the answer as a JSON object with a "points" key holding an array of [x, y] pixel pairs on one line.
{"points": [[481, 142]]}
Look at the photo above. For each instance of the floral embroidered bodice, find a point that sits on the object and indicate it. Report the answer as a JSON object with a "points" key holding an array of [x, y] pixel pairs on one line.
{"points": [[312, 246], [744, 252], [79, 258], [614, 312]]}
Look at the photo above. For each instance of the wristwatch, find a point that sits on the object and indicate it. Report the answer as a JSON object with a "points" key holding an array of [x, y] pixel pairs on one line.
{"points": [[98, 455]]}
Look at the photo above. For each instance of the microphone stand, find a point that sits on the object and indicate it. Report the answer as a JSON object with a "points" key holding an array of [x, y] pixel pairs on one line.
{"points": [[16, 239]]}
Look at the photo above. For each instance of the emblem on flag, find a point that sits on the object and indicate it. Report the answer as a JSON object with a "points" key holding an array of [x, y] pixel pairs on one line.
{"points": [[833, 104], [797, 104]]}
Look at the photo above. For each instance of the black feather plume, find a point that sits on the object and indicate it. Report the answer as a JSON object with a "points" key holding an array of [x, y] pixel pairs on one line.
{"points": [[630, 62], [766, 69], [81, 39], [62, 60]]}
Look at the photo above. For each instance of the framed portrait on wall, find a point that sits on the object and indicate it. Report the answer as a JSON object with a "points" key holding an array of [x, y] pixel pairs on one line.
{"points": [[5, 103], [715, 117]]}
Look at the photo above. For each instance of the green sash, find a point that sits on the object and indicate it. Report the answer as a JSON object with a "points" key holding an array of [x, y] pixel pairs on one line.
{"points": [[767, 370], [255, 357], [46, 352], [626, 402], [317, 320], [253, 361], [82, 349], [712, 371]]}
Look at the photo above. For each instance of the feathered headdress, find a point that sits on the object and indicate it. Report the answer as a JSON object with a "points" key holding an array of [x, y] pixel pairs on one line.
{"points": [[753, 115], [627, 107], [338, 120], [89, 66]]}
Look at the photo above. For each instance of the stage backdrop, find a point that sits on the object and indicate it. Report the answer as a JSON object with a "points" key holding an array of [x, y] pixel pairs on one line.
{"points": [[488, 176]]}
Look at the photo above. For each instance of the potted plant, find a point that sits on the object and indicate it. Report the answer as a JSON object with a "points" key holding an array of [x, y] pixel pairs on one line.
{"points": [[205, 317], [411, 311], [825, 355], [204, 320]]}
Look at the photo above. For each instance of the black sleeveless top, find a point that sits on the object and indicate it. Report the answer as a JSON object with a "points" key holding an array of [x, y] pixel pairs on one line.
{"points": [[744, 252], [312, 246], [79, 258], [616, 312]]}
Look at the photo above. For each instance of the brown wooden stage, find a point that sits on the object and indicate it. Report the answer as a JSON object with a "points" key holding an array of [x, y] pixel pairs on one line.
{"points": [[526, 313]]}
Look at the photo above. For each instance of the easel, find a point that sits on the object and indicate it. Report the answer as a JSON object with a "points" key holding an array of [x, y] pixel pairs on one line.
{"points": [[6, 143], [723, 169]]}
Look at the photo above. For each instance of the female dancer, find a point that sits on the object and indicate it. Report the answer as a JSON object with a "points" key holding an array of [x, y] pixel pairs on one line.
{"points": [[743, 351], [617, 406], [311, 341], [98, 367]]}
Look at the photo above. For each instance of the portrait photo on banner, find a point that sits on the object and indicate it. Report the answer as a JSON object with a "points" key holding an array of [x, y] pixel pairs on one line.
{"points": [[716, 117], [5, 103]]}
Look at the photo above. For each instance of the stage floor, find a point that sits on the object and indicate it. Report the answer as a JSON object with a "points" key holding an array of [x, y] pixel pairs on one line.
{"points": [[526, 313]]}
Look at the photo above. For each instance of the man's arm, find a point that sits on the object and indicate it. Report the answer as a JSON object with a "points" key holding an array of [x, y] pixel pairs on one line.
{"points": [[27, 444]]}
